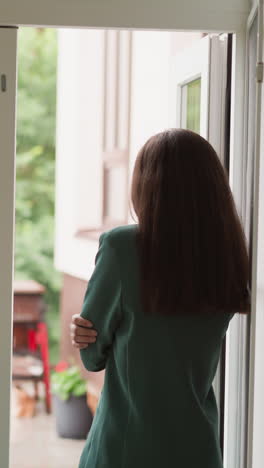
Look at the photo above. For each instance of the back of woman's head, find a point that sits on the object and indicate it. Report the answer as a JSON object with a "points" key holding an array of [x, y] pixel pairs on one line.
{"points": [[192, 248]]}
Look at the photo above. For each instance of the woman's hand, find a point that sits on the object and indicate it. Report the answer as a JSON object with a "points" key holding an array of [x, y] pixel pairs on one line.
{"points": [[81, 332]]}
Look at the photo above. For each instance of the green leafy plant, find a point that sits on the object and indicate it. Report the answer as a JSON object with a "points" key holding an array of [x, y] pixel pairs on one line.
{"points": [[35, 170], [67, 380]]}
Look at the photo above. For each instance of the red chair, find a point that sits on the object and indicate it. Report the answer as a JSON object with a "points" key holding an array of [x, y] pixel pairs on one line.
{"points": [[39, 337], [30, 343]]}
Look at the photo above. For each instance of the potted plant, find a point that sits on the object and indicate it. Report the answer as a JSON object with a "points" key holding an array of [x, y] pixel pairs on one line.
{"points": [[69, 393]]}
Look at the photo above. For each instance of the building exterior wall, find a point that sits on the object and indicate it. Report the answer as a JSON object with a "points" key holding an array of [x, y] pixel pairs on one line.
{"points": [[80, 135], [79, 146]]}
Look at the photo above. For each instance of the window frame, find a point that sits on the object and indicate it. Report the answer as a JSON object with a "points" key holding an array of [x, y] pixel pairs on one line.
{"points": [[184, 101], [117, 155]]}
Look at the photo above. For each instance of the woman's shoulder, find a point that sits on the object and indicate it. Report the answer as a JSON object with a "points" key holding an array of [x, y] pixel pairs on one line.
{"points": [[121, 234]]}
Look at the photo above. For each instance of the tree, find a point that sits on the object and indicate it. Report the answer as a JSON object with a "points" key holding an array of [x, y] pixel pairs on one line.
{"points": [[35, 168]]}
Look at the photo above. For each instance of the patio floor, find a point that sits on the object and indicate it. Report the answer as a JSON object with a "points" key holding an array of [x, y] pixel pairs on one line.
{"points": [[34, 442]]}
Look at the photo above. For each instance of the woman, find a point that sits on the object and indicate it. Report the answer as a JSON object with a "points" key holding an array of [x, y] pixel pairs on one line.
{"points": [[161, 298]]}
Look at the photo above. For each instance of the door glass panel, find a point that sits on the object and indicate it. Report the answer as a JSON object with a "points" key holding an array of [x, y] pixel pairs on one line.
{"points": [[191, 105]]}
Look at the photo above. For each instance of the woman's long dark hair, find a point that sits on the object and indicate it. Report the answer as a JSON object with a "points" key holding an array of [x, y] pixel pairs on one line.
{"points": [[192, 247]]}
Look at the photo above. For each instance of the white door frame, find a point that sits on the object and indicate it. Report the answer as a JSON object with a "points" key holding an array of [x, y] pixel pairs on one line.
{"points": [[235, 414], [256, 368], [232, 442], [222, 17], [202, 15], [8, 81]]}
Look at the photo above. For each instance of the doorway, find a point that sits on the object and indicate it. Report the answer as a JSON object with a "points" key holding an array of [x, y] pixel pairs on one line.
{"points": [[236, 123]]}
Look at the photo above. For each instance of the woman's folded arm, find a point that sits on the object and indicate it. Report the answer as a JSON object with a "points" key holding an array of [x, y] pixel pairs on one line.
{"points": [[102, 305]]}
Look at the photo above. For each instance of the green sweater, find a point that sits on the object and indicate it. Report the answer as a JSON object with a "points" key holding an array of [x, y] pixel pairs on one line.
{"points": [[157, 408]]}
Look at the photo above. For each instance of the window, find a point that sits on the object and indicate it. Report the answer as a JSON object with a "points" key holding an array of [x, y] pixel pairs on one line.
{"points": [[116, 126], [190, 78], [191, 105], [113, 147]]}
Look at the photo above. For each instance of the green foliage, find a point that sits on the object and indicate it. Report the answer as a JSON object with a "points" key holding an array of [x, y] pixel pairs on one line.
{"points": [[68, 382], [35, 168]]}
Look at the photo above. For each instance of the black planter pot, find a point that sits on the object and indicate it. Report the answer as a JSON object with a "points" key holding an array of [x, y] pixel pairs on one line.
{"points": [[73, 417]]}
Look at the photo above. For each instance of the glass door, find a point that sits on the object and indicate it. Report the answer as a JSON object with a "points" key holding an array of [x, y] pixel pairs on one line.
{"points": [[198, 84], [253, 211]]}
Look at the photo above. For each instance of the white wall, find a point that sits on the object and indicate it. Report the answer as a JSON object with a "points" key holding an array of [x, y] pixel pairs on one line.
{"points": [[80, 126], [153, 52], [79, 147], [182, 40], [150, 88], [79, 130]]}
